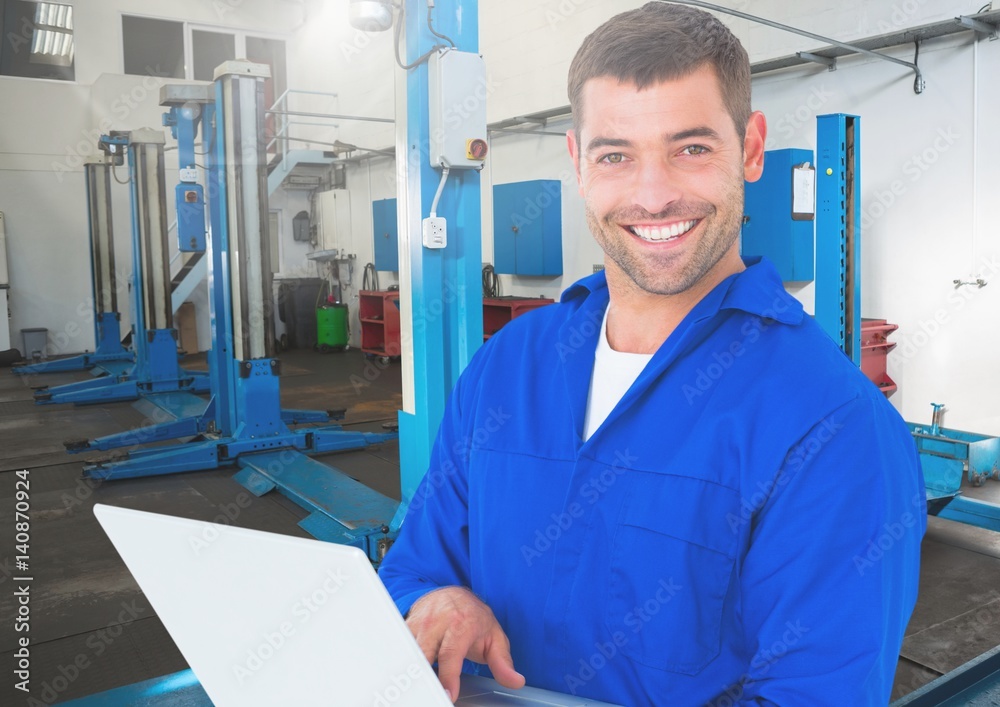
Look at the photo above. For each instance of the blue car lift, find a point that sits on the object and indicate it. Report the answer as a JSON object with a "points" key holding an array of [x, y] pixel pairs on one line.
{"points": [[192, 107], [244, 424], [109, 357], [156, 369]]}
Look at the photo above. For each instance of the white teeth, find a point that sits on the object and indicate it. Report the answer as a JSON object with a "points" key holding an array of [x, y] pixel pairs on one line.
{"points": [[666, 233]]}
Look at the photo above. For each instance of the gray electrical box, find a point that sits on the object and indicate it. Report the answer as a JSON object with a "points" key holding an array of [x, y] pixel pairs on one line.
{"points": [[457, 90], [300, 227]]}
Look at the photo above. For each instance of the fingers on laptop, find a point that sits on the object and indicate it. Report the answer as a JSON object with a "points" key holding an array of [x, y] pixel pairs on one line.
{"points": [[452, 624], [501, 664]]}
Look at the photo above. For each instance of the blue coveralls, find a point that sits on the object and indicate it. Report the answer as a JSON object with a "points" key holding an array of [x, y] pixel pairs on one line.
{"points": [[743, 529]]}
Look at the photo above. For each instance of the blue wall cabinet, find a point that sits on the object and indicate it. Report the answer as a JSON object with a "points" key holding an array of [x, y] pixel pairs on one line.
{"points": [[386, 235], [777, 225], [527, 227]]}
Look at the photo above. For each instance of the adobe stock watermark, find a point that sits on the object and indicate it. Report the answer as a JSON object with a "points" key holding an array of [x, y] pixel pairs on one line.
{"points": [[97, 643], [302, 611], [910, 344], [591, 491], [358, 43], [902, 14], [224, 7], [797, 457], [880, 201], [121, 108], [636, 619], [398, 686], [579, 334], [534, 207], [558, 12], [889, 534], [422, 318], [228, 514], [761, 663], [795, 122], [461, 449], [725, 358]]}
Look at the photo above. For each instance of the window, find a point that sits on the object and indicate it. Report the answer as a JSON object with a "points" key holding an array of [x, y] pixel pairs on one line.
{"points": [[180, 50], [37, 40], [272, 53], [208, 50], [153, 47]]}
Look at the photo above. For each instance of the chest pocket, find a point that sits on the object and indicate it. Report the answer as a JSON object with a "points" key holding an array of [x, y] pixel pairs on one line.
{"points": [[671, 561]]}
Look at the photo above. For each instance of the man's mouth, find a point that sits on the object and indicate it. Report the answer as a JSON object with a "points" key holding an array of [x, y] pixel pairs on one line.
{"points": [[663, 232]]}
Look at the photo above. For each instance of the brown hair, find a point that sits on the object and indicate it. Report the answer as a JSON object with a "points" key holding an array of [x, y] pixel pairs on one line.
{"points": [[660, 42]]}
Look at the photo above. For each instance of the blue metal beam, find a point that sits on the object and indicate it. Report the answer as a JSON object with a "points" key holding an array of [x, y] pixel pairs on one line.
{"points": [[177, 690], [838, 230], [440, 290], [976, 683]]}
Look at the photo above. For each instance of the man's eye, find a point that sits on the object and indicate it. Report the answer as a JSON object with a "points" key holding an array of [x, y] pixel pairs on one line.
{"points": [[613, 158], [695, 150]]}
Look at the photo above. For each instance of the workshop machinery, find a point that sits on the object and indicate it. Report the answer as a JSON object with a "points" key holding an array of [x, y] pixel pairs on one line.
{"points": [[950, 458], [245, 425], [109, 356], [157, 368]]}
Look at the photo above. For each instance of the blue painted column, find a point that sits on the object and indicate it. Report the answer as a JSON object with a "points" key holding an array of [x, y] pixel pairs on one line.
{"points": [[838, 230], [440, 290]]}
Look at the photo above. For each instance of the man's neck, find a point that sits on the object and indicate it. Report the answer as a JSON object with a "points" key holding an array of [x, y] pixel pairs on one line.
{"points": [[639, 321]]}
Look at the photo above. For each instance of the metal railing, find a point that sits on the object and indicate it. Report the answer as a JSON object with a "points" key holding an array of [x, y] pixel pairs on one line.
{"points": [[286, 117], [283, 119]]}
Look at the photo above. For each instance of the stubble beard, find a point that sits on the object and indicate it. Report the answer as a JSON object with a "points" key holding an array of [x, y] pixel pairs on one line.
{"points": [[673, 271]]}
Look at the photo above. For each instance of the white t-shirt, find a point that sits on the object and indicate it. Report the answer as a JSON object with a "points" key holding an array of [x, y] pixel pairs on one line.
{"points": [[614, 373]]}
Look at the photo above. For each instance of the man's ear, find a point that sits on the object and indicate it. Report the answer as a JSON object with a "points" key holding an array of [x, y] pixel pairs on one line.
{"points": [[574, 152], [753, 147]]}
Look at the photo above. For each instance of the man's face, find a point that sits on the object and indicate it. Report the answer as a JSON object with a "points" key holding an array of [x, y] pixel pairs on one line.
{"points": [[662, 172]]}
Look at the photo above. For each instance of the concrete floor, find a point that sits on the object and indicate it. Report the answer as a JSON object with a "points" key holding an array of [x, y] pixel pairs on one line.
{"points": [[92, 628]]}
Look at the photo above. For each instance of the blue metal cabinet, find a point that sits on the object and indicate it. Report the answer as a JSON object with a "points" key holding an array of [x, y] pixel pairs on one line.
{"points": [[770, 229], [386, 235], [527, 227]]}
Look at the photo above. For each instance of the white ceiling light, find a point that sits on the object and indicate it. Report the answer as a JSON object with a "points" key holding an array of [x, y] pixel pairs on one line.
{"points": [[371, 15]]}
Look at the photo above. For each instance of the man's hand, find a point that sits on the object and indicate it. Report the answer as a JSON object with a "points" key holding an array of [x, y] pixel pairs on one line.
{"points": [[452, 624]]}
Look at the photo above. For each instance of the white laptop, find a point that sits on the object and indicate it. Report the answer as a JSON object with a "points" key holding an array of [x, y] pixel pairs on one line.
{"points": [[268, 619]]}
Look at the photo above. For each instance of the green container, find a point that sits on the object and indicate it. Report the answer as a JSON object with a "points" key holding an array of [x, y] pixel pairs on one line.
{"points": [[331, 327]]}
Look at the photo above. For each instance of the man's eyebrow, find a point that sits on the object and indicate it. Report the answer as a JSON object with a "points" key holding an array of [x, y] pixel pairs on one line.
{"points": [[693, 132], [702, 132], [599, 142]]}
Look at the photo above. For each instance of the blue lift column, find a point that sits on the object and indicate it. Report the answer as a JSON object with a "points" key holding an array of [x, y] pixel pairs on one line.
{"points": [[440, 288], [838, 230], [109, 355], [247, 427], [157, 368]]}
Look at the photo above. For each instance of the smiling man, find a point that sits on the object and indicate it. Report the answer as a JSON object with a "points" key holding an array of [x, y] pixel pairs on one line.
{"points": [[671, 488]]}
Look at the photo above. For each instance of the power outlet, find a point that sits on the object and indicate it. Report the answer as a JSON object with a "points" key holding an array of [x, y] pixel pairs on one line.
{"points": [[435, 232]]}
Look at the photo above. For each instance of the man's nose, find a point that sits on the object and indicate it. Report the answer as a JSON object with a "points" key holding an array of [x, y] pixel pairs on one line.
{"points": [[656, 186]]}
